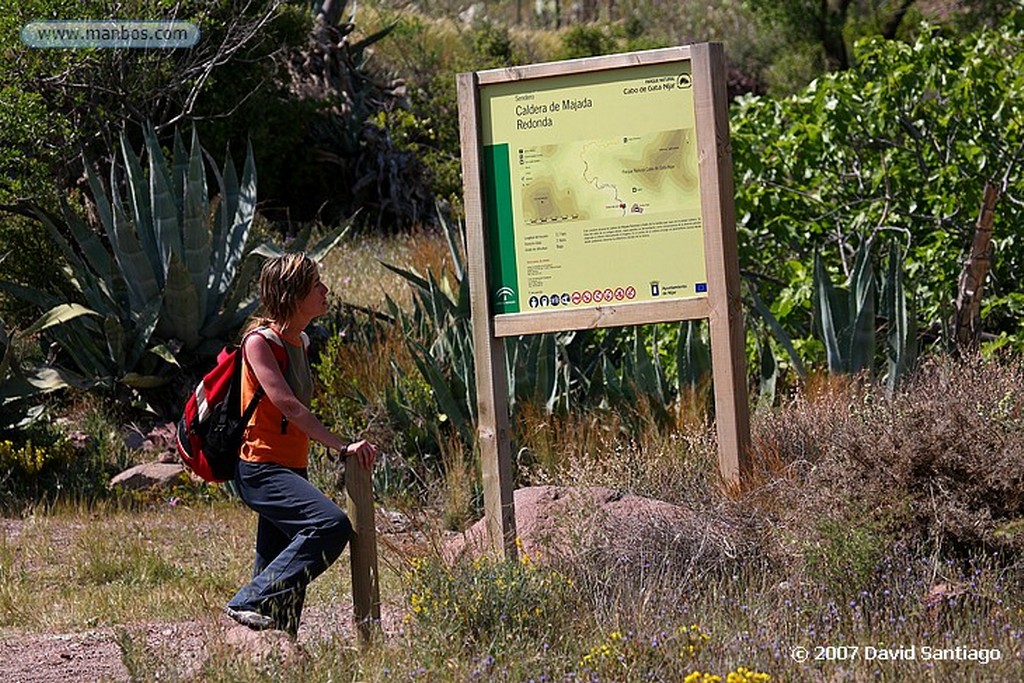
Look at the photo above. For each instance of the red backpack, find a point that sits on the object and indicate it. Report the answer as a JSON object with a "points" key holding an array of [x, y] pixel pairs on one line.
{"points": [[212, 425]]}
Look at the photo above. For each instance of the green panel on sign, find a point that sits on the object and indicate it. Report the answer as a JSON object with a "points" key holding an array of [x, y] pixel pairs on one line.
{"points": [[504, 282]]}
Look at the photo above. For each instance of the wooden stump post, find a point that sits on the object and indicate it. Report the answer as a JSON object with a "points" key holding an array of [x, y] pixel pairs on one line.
{"points": [[363, 552], [971, 288]]}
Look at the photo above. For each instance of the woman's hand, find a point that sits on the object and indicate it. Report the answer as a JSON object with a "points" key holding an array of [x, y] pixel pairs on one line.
{"points": [[364, 451]]}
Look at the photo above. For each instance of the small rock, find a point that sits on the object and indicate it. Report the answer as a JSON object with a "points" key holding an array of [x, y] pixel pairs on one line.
{"points": [[393, 522], [167, 457], [163, 435], [261, 645], [623, 529], [149, 475], [471, 14], [136, 440]]}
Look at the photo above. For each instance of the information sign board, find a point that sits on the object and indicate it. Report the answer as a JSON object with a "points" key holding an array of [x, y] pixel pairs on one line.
{"points": [[592, 189], [598, 193]]}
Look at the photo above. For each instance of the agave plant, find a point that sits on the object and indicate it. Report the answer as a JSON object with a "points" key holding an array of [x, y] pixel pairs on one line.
{"points": [[165, 245], [614, 368], [898, 310], [439, 338], [177, 271], [846, 318], [18, 385]]}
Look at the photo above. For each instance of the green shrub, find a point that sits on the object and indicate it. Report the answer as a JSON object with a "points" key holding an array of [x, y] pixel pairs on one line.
{"points": [[493, 44], [30, 263], [586, 41], [845, 554], [488, 603], [935, 464], [386, 401], [24, 163], [43, 466]]}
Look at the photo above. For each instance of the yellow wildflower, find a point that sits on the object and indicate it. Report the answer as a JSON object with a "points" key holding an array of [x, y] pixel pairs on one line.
{"points": [[699, 677], [745, 675]]}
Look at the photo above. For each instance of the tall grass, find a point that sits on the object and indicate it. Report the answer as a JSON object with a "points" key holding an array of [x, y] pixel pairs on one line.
{"points": [[874, 523], [355, 276], [98, 565]]}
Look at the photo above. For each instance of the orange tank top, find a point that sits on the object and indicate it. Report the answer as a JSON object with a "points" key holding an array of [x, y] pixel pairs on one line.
{"points": [[269, 437]]}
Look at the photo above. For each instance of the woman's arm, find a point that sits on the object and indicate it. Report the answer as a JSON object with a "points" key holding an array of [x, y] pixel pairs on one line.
{"points": [[268, 373]]}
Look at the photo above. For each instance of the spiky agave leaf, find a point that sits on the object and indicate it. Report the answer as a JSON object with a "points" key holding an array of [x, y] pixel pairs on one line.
{"points": [[232, 221], [194, 223], [179, 318], [827, 316], [163, 203], [862, 311], [142, 212], [137, 266]]}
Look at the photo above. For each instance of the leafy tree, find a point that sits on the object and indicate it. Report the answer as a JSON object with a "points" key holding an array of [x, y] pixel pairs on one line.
{"points": [[897, 149], [64, 101], [818, 34]]}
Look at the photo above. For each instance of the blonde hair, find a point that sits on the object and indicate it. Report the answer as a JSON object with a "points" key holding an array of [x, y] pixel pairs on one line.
{"points": [[284, 282]]}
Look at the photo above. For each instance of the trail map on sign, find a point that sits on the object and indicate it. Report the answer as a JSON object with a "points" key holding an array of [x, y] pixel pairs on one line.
{"points": [[623, 176], [592, 189]]}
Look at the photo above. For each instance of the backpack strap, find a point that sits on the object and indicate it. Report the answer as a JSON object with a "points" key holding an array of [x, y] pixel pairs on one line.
{"points": [[276, 344], [280, 355]]}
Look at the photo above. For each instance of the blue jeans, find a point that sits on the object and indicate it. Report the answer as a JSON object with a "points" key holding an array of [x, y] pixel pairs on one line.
{"points": [[301, 533]]}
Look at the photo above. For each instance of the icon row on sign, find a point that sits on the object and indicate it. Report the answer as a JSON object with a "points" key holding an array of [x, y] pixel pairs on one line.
{"points": [[584, 297]]}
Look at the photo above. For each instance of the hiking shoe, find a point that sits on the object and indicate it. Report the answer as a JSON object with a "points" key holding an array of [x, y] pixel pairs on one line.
{"points": [[254, 620]]}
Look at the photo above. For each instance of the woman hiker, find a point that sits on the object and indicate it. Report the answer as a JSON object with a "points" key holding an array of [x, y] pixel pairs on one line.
{"points": [[301, 531]]}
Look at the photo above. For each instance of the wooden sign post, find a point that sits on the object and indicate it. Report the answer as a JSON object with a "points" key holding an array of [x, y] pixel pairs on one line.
{"points": [[599, 193]]}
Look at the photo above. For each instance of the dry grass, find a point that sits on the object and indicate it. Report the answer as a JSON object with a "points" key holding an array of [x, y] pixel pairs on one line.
{"points": [[85, 568], [118, 566], [871, 519], [354, 273], [937, 464], [809, 556], [594, 449]]}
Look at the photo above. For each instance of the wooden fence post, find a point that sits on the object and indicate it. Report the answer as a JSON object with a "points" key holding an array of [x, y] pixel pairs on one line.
{"points": [[363, 552], [971, 288]]}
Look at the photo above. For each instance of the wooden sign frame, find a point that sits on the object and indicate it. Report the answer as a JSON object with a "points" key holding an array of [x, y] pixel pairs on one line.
{"points": [[721, 305]]}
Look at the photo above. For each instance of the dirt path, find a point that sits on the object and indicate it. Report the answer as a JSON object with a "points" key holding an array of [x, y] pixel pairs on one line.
{"points": [[95, 655], [106, 653]]}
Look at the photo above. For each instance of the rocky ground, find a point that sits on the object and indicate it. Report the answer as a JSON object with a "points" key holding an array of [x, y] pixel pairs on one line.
{"points": [[97, 655]]}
